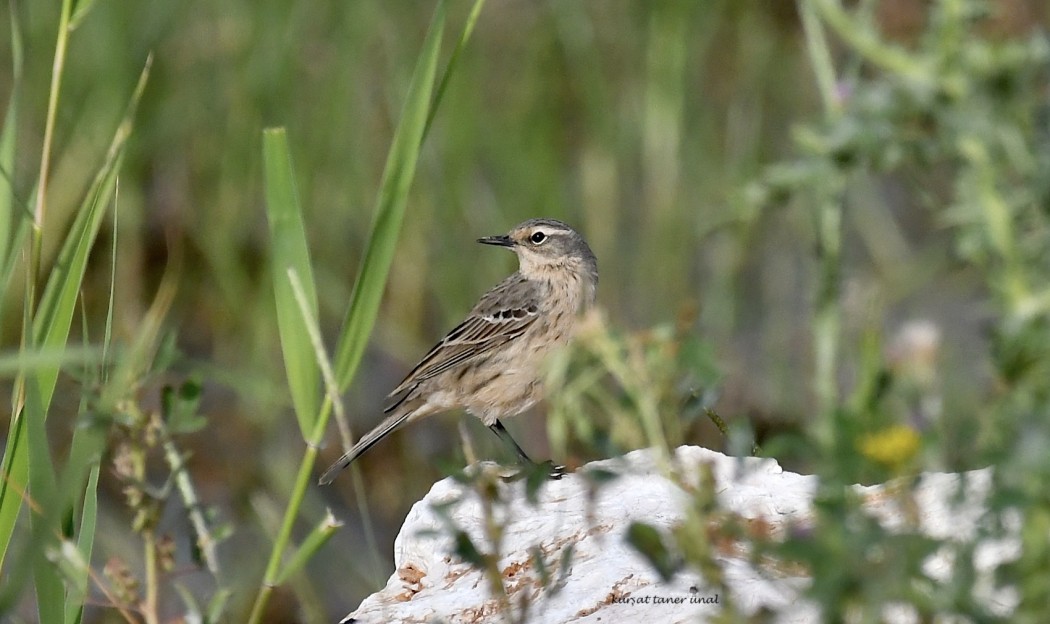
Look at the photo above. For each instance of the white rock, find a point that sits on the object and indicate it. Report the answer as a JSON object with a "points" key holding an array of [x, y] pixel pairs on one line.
{"points": [[607, 581]]}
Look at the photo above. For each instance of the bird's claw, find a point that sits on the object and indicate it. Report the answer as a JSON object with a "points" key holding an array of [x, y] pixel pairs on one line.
{"points": [[532, 470], [554, 471]]}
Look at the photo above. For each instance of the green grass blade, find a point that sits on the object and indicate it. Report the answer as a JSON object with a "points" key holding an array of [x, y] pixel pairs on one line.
{"points": [[453, 60], [290, 251], [12, 362], [49, 590], [89, 442], [55, 315], [80, 11], [78, 486], [74, 608], [317, 538], [398, 172], [84, 463], [8, 203], [390, 206], [58, 302], [15, 216]]}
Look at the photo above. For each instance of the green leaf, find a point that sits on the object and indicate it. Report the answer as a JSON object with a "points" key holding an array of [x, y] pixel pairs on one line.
{"points": [[290, 251], [57, 304], [85, 544], [12, 363], [647, 540], [193, 609], [536, 556], [81, 10], [8, 203], [180, 408], [468, 552], [468, 29], [43, 522], [50, 330], [217, 606], [371, 279], [390, 209], [317, 538], [564, 567]]}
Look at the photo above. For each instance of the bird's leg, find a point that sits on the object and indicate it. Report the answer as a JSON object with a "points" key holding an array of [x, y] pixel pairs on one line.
{"points": [[505, 436], [555, 471]]}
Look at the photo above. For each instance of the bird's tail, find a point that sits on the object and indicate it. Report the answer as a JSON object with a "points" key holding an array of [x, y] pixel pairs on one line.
{"points": [[384, 428]]}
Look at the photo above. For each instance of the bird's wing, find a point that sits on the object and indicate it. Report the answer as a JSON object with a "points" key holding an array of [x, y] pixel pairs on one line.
{"points": [[502, 315]]}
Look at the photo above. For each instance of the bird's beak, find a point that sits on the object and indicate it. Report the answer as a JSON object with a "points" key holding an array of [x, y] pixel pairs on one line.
{"points": [[499, 241]]}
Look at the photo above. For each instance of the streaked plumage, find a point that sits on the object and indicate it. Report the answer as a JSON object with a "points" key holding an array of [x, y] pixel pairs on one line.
{"points": [[490, 364]]}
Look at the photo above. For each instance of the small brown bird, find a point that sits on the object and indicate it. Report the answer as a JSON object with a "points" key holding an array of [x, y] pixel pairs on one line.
{"points": [[491, 363]]}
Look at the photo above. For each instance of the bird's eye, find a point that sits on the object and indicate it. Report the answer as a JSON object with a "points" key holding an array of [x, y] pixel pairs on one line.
{"points": [[537, 238]]}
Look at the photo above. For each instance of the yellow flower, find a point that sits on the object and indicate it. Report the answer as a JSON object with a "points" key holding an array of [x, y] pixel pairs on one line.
{"points": [[892, 447]]}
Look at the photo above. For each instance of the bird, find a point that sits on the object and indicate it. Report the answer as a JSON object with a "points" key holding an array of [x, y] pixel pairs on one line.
{"points": [[491, 364]]}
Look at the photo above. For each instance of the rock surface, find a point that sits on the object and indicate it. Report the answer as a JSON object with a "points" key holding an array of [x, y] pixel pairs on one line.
{"points": [[605, 580]]}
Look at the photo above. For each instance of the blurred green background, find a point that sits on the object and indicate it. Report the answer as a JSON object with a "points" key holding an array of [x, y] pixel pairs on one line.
{"points": [[644, 124]]}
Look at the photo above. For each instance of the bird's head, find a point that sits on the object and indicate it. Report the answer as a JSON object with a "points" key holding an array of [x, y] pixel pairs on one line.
{"points": [[544, 246]]}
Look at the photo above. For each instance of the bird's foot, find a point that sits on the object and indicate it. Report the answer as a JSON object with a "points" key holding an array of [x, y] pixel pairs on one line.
{"points": [[537, 471], [554, 471]]}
